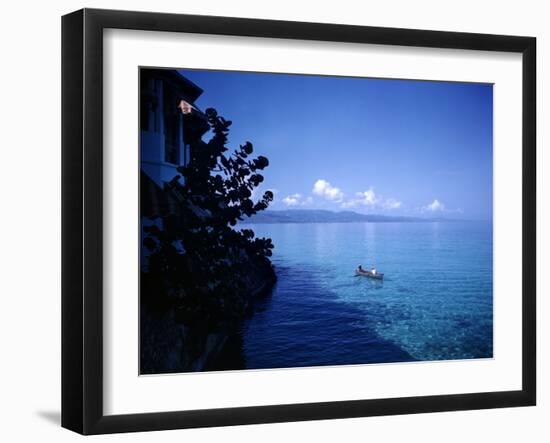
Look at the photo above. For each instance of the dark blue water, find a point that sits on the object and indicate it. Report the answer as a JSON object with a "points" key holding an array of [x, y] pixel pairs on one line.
{"points": [[435, 303]]}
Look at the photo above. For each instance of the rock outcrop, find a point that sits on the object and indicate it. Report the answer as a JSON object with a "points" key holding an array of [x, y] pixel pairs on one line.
{"points": [[171, 344]]}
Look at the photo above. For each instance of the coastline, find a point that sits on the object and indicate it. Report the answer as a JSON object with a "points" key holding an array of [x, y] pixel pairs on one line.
{"points": [[169, 345]]}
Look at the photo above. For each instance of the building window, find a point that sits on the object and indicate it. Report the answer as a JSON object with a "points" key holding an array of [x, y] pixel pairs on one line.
{"points": [[171, 127], [187, 154], [148, 105], [171, 153]]}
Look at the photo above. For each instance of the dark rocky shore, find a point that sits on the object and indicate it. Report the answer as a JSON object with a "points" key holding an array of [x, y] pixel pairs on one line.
{"points": [[170, 344]]}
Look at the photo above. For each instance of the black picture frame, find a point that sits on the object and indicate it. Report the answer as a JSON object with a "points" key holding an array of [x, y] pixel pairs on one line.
{"points": [[82, 218]]}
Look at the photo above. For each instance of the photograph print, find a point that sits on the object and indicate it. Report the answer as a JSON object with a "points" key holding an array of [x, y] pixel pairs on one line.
{"points": [[292, 220]]}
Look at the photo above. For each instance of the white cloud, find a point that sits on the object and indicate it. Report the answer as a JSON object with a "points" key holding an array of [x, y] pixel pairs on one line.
{"points": [[391, 203], [297, 200], [370, 199], [455, 211], [367, 198], [326, 190], [292, 200], [435, 206], [349, 204]]}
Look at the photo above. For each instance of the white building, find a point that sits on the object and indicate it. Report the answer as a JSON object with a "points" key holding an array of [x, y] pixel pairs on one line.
{"points": [[168, 122]]}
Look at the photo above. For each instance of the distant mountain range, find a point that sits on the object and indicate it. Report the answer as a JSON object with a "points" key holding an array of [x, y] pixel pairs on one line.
{"points": [[324, 216]]}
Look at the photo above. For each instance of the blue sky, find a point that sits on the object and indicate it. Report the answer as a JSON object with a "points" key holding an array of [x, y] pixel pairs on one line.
{"points": [[396, 147]]}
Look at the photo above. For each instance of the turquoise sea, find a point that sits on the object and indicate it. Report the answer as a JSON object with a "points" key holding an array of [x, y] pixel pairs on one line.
{"points": [[435, 303]]}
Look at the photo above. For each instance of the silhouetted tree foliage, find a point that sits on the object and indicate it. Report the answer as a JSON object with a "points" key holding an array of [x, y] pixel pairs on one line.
{"points": [[199, 263]]}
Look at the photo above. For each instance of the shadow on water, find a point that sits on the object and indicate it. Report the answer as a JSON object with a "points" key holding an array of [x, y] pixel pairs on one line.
{"points": [[301, 326], [369, 283]]}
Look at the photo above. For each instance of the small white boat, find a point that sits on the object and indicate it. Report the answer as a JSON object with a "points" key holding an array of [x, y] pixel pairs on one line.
{"points": [[370, 274]]}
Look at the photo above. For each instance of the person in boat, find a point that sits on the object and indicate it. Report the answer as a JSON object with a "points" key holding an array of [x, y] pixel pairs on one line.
{"points": [[360, 268], [373, 271]]}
